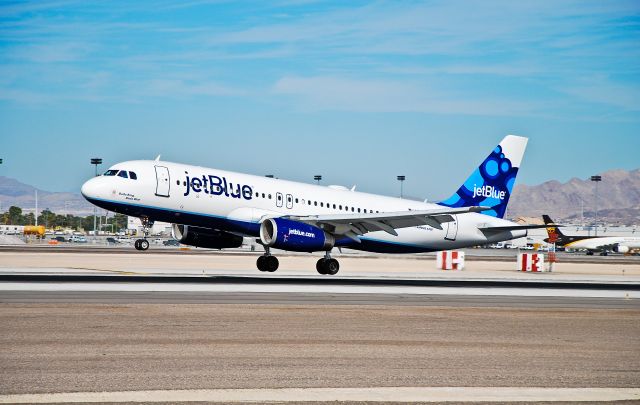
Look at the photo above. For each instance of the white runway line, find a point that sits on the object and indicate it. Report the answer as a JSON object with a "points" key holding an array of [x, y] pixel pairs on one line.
{"points": [[374, 394], [332, 289]]}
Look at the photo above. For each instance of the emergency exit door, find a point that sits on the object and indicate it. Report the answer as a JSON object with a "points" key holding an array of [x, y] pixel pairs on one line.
{"points": [[163, 184], [452, 229]]}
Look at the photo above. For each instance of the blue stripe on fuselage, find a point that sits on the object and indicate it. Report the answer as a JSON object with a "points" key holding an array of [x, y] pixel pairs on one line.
{"points": [[246, 227]]}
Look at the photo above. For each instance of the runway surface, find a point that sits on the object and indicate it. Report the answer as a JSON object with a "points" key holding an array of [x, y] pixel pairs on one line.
{"points": [[70, 347], [170, 329]]}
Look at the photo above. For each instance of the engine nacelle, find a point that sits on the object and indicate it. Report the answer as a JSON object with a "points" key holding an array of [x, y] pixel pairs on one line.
{"points": [[205, 237], [621, 249], [295, 236]]}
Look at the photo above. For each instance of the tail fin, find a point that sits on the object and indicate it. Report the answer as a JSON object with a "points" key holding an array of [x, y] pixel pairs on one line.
{"points": [[553, 231], [490, 185]]}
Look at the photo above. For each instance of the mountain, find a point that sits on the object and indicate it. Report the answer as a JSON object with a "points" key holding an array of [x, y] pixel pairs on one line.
{"points": [[618, 199], [13, 192]]}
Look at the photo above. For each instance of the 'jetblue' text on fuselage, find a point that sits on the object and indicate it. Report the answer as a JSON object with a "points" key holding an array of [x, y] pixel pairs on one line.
{"points": [[217, 185]]}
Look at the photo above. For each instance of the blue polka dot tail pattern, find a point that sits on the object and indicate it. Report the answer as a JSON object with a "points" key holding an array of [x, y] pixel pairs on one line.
{"points": [[491, 184]]}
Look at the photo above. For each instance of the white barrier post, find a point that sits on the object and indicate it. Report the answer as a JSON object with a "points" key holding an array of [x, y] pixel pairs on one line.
{"points": [[450, 260], [531, 262]]}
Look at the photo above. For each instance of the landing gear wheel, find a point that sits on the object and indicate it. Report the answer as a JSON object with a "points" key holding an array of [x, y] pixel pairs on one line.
{"points": [[271, 263], [605, 253], [141, 244], [260, 263], [331, 267], [328, 266]]}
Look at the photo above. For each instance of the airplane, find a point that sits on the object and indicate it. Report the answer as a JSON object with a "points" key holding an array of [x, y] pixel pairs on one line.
{"points": [[211, 208], [592, 244]]}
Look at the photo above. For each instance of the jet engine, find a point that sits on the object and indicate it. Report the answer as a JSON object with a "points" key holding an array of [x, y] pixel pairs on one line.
{"points": [[205, 237], [621, 249], [294, 236]]}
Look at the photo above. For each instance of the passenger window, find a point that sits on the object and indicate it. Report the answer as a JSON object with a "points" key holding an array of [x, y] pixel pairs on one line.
{"points": [[309, 202], [322, 204], [341, 208], [263, 195], [123, 174], [315, 203], [358, 209], [296, 200], [134, 176], [279, 197], [269, 196]]}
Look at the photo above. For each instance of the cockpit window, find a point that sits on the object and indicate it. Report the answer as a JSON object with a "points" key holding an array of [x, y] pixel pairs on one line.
{"points": [[133, 176], [111, 172], [123, 173]]}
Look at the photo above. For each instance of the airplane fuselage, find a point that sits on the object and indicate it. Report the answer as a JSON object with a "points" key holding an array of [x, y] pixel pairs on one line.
{"points": [[238, 203]]}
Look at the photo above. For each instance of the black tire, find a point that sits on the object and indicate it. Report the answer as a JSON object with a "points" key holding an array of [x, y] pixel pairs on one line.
{"points": [[136, 244], [271, 263], [331, 267], [144, 244], [320, 266], [260, 263]]}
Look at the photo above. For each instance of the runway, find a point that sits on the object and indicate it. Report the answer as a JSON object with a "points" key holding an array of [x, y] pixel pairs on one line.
{"points": [[167, 328]]}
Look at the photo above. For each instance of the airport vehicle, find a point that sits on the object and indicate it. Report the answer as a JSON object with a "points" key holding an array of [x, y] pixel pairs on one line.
{"points": [[591, 244], [212, 208], [171, 242], [78, 239], [111, 241]]}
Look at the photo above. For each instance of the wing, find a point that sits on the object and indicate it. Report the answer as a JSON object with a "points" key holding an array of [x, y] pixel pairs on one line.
{"points": [[354, 225]]}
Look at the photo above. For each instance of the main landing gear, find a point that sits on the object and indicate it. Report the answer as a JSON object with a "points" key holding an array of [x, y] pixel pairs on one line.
{"points": [[270, 263], [267, 262], [143, 244], [327, 265]]}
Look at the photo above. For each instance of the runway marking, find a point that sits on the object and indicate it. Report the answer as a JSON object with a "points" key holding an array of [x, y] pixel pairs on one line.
{"points": [[329, 289], [106, 270], [374, 394]]}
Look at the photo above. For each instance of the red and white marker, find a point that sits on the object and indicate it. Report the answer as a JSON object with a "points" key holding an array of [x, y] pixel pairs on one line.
{"points": [[450, 260], [533, 262]]}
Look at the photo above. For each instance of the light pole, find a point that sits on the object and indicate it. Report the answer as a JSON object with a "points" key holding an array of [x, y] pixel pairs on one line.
{"points": [[317, 178], [401, 179], [596, 179], [95, 162]]}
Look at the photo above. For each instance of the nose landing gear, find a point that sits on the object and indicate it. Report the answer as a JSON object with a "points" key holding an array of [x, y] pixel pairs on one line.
{"points": [[143, 244]]}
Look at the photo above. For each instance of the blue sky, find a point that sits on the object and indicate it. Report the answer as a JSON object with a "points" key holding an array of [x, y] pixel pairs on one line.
{"points": [[356, 91]]}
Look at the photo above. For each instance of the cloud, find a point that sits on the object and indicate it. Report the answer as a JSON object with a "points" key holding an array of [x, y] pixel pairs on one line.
{"points": [[356, 95]]}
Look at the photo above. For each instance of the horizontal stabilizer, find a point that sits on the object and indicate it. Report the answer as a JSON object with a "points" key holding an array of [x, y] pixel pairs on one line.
{"points": [[489, 229]]}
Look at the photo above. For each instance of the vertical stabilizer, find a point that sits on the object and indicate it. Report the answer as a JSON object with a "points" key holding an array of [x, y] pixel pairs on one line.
{"points": [[491, 184]]}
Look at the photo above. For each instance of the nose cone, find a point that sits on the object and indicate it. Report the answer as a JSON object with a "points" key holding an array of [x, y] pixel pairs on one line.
{"points": [[91, 188]]}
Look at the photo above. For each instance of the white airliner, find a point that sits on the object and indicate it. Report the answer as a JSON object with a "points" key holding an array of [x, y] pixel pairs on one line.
{"points": [[602, 244], [212, 208]]}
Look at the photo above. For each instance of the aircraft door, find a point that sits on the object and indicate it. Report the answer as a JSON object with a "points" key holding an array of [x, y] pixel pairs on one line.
{"points": [[279, 200], [452, 229], [289, 201], [163, 183]]}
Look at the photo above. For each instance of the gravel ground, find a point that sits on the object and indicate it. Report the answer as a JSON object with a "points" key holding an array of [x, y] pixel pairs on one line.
{"points": [[91, 347]]}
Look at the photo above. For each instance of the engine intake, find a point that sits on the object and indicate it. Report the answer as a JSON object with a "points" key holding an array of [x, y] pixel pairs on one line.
{"points": [[621, 249], [294, 236], [205, 237]]}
